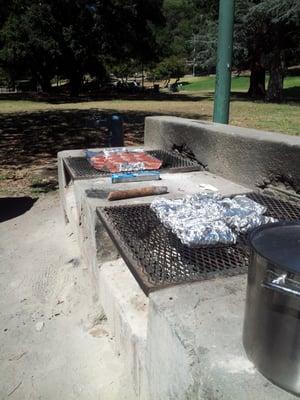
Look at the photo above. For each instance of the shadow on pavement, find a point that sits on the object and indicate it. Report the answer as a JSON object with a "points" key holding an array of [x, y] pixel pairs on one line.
{"points": [[12, 207]]}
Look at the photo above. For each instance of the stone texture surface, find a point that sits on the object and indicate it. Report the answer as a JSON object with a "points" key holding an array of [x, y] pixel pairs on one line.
{"points": [[184, 342], [126, 307], [198, 353], [246, 156]]}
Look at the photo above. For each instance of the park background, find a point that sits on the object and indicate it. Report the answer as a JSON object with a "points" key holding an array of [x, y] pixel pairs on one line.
{"points": [[64, 65]]}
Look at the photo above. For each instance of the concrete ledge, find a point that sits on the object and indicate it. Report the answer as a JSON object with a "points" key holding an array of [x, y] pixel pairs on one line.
{"points": [[198, 353], [247, 156], [181, 343], [126, 308]]}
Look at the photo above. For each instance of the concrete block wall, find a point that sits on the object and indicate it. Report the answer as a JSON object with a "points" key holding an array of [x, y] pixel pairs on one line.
{"points": [[126, 308], [183, 342], [247, 156]]}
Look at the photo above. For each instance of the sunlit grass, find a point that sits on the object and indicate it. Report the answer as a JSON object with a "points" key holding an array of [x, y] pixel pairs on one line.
{"points": [[283, 118], [238, 83]]}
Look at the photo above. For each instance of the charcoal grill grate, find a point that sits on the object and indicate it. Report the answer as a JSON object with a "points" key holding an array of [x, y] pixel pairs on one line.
{"points": [[80, 168], [158, 259]]}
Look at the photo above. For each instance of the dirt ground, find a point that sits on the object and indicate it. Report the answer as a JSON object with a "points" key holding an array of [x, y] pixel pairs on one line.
{"points": [[29, 143], [33, 129], [54, 341]]}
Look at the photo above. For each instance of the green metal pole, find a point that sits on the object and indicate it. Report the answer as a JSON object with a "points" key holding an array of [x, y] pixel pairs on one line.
{"points": [[223, 78]]}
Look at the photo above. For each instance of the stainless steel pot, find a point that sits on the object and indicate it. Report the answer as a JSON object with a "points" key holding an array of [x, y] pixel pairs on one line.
{"points": [[272, 317]]}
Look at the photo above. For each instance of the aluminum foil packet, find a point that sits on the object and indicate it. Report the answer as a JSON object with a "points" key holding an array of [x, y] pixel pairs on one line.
{"points": [[206, 219]]}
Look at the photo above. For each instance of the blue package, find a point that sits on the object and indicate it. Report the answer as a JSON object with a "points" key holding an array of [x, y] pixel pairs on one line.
{"points": [[137, 176]]}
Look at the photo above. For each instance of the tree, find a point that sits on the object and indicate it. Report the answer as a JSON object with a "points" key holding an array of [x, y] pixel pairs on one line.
{"points": [[174, 37], [124, 70], [249, 47], [184, 18], [281, 22], [77, 37], [266, 38], [205, 45], [169, 68], [28, 45]]}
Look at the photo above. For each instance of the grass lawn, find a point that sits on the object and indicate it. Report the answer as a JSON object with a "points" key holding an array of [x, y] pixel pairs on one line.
{"points": [[238, 83], [32, 132], [283, 118]]}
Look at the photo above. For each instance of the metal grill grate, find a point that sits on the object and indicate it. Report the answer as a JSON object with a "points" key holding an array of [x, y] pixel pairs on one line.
{"points": [[80, 168], [175, 162], [158, 259]]}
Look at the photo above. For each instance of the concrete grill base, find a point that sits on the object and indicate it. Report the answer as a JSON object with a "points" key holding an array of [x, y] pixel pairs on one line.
{"points": [[183, 342]]}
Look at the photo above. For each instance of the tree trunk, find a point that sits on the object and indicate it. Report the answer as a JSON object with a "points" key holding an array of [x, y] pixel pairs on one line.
{"points": [[35, 80], [257, 82], [143, 77], [45, 84], [43, 78], [275, 84], [13, 83], [75, 85]]}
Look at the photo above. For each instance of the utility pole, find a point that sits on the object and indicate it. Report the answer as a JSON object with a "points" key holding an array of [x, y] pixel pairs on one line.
{"points": [[224, 61]]}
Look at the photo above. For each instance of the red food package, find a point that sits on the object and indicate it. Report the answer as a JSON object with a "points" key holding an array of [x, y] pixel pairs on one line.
{"points": [[124, 160]]}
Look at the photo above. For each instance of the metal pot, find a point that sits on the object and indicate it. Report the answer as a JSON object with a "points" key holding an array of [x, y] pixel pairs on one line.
{"points": [[272, 317]]}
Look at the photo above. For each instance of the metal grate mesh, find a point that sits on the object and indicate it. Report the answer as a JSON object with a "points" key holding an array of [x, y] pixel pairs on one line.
{"points": [[80, 168], [158, 259], [175, 161]]}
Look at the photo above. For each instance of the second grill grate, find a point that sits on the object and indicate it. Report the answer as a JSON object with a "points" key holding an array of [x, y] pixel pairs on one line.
{"points": [[157, 258]]}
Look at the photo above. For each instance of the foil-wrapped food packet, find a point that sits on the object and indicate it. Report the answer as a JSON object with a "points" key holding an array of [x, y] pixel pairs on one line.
{"points": [[206, 219]]}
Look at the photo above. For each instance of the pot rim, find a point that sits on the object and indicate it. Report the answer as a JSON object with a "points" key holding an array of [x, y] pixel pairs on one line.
{"points": [[255, 231]]}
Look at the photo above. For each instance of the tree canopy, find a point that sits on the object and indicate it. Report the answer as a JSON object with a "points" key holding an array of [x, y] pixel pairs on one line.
{"points": [[41, 39], [71, 38], [266, 38]]}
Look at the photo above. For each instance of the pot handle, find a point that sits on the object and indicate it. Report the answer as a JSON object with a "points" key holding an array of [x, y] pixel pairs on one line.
{"points": [[279, 284]]}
